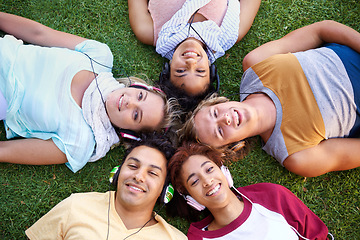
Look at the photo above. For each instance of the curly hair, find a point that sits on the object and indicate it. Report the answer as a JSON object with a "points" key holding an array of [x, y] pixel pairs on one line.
{"points": [[154, 140], [186, 101]]}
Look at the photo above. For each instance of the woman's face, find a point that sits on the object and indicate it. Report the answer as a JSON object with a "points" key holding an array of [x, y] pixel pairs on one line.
{"points": [[205, 182], [135, 109], [225, 123], [189, 67]]}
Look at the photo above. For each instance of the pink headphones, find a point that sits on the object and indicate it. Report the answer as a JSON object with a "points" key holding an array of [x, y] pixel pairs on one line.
{"points": [[145, 86]]}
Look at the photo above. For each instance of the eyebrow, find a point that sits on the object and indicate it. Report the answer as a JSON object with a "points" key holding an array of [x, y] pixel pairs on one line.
{"points": [[215, 132], [183, 75], [191, 175], [138, 161]]}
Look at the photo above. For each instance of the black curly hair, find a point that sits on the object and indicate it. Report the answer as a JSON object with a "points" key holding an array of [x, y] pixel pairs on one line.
{"points": [[154, 140]]}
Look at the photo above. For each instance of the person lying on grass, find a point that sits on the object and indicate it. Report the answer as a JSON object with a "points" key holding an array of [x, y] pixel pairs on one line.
{"points": [[60, 96], [301, 94], [192, 34], [259, 211], [126, 213]]}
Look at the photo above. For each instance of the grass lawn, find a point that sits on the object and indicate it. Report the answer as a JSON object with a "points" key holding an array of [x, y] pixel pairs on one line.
{"points": [[28, 192]]}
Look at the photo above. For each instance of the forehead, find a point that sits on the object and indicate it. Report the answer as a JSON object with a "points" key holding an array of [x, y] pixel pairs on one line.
{"points": [[153, 110], [194, 163], [148, 156]]}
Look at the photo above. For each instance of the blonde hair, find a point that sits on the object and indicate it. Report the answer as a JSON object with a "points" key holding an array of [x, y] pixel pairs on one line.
{"points": [[231, 151], [188, 131], [171, 108]]}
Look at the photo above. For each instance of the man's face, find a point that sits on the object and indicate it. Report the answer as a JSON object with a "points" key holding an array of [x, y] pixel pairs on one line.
{"points": [[141, 178]]}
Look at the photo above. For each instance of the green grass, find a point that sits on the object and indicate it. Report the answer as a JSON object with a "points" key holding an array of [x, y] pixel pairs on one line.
{"points": [[28, 192]]}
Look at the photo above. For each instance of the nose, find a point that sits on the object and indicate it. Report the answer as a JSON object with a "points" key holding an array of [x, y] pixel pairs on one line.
{"points": [[130, 102], [139, 176], [225, 119], [207, 181], [191, 62]]}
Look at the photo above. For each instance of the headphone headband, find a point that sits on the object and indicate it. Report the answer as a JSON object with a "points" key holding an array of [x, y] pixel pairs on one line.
{"points": [[145, 87]]}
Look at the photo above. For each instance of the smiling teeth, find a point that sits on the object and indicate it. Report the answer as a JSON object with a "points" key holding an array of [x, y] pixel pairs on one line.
{"points": [[214, 190], [237, 118], [190, 54], [137, 189], [120, 101]]}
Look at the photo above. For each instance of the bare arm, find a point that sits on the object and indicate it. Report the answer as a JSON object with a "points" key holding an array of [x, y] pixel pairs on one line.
{"points": [[140, 21], [31, 151], [334, 154], [248, 11], [36, 33], [305, 38]]}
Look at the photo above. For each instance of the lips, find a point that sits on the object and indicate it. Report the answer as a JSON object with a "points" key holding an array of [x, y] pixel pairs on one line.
{"points": [[135, 187], [190, 54], [214, 190]]}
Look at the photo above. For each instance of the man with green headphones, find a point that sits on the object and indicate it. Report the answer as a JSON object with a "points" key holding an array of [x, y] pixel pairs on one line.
{"points": [[140, 182]]}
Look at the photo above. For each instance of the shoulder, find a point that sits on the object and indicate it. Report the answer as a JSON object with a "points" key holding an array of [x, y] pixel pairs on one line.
{"points": [[93, 46], [85, 198]]}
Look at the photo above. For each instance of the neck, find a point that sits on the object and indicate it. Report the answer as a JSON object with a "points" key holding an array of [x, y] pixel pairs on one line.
{"points": [[265, 112], [135, 217], [224, 216]]}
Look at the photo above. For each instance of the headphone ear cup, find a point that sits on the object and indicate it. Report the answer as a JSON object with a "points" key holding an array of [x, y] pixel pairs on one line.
{"points": [[193, 203], [228, 176], [167, 193], [214, 77], [165, 73], [129, 134], [114, 175]]}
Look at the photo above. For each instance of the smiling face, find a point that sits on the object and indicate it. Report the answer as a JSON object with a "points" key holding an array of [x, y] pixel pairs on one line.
{"points": [[224, 123], [141, 178], [205, 182], [189, 67], [135, 109]]}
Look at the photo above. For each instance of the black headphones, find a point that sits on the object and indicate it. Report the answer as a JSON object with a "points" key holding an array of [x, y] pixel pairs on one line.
{"points": [[167, 192], [214, 77]]}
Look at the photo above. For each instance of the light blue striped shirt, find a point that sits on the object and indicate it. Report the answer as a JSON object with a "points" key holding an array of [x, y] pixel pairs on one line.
{"points": [[218, 39]]}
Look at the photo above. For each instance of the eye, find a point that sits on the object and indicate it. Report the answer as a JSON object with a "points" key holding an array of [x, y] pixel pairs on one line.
{"points": [[220, 131], [132, 166], [136, 115], [180, 70], [210, 169], [215, 113], [153, 173], [194, 182], [140, 97], [200, 71]]}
